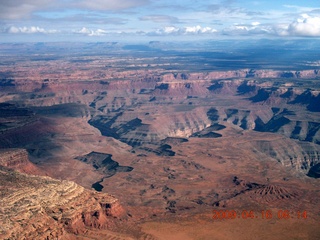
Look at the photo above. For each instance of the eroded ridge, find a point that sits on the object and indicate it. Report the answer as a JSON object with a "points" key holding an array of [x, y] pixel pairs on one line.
{"points": [[271, 193], [34, 207]]}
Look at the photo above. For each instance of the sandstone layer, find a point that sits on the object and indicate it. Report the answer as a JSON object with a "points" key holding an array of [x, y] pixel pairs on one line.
{"points": [[35, 207]]}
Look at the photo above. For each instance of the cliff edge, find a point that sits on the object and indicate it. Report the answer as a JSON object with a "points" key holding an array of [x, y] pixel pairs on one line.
{"points": [[40, 207]]}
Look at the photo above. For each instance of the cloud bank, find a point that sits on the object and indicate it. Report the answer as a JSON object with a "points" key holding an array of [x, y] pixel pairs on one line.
{"points": [[29, 30], [306, 26], [193, 30], [91, 33]]}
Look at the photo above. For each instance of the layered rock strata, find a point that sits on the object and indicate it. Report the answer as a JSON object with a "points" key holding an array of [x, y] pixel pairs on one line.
{"points": [[40, 207]]}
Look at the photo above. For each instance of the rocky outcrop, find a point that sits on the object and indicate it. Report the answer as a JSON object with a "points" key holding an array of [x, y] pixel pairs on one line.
{"points": [[34, 207], [18, 159]]}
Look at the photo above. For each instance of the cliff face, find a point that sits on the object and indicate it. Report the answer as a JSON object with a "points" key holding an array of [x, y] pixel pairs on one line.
{"points": [[245, 73], [34, 207], [293, 154], [18, 159], [139, 80], [38, 207]]}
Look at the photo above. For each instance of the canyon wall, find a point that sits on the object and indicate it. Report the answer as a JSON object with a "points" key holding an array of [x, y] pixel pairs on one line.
{"points": [[40, 207], [143, 108], [18, 159]]}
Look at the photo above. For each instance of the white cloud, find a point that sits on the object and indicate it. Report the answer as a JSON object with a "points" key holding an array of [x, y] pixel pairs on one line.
{"points": [[171, 30], [29, 30], [305, 26], [250, 29], [89, 32], [198, 29]]}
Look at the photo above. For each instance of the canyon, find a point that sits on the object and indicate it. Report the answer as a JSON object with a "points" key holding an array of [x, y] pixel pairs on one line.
{"points": [[90, 148]]}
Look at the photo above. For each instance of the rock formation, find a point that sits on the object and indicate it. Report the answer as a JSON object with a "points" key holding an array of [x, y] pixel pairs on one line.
{"points": [[39, 207], [18, 159], [134, 110]]}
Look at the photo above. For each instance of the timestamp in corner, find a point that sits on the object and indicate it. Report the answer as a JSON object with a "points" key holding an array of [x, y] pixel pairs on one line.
{"points": [[264, 214]]}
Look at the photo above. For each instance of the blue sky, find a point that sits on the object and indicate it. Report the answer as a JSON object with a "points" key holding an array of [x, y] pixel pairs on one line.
{"points": [[110, 20]]}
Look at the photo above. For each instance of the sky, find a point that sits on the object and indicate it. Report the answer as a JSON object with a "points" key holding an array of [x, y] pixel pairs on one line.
{"points": [[130, 20]]}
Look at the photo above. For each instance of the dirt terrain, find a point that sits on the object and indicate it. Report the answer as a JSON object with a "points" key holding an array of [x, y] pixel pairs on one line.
{"points": [[173, 149]]}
